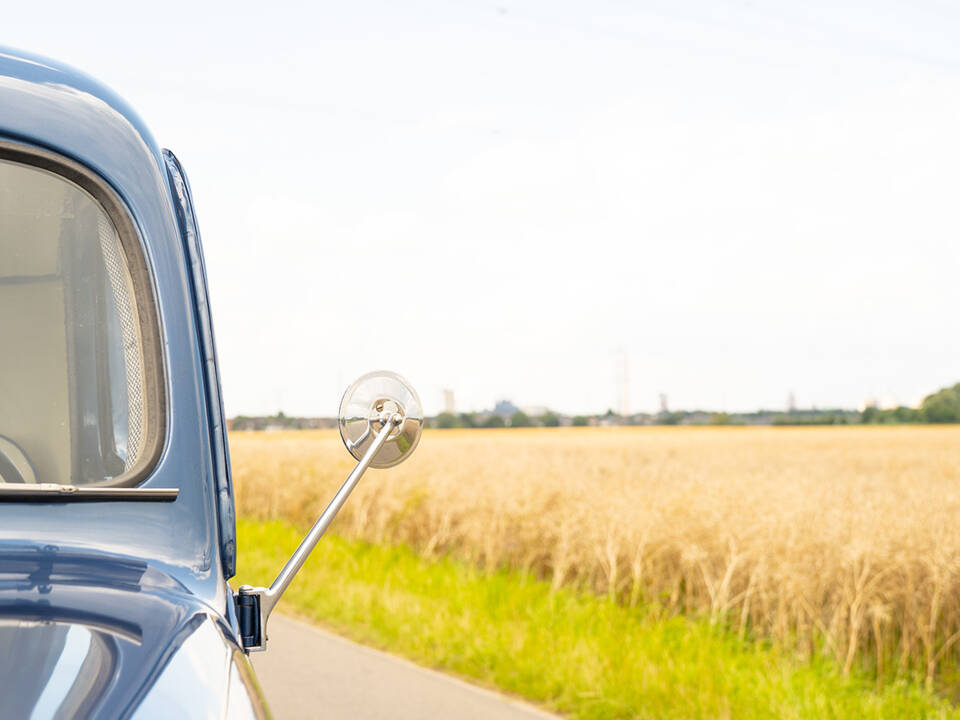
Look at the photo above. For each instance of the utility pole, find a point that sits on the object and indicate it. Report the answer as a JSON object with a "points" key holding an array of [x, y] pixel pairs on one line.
{"points": [[623, 384]]}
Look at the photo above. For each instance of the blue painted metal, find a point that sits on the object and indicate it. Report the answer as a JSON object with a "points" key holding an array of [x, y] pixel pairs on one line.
{"points": [[87, 633], [218, 424], [122, 570]]}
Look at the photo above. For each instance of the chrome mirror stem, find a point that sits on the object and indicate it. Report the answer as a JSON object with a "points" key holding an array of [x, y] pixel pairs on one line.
{"points": [[380, 423], [266, 598], [326, 517]]}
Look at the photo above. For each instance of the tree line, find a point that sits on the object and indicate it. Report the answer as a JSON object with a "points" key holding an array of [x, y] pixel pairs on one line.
{"points": [[517, 419], [942, 406]]}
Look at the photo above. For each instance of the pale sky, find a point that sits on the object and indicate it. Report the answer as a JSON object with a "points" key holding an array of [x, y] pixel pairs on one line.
{"points": [[750, 199]]}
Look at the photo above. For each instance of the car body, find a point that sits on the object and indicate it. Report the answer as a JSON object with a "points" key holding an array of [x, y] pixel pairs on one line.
{"points": [[114, 594]]}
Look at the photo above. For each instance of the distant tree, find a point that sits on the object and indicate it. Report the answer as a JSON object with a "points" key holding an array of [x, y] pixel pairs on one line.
{"points": [[495, 421], [891, 416], [550, 419], [468, 420], [520, 419], [905, 414], [581, 421], [870, 414], [813, 418], [447, 420], [942, 406], [720, 418]]}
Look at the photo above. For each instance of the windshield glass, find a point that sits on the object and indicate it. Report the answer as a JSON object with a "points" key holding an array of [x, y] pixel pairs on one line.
{"points": [[72, 382]]}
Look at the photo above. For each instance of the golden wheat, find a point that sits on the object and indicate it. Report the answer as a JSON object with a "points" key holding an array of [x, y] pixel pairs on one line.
{"points": [[841, 540]]}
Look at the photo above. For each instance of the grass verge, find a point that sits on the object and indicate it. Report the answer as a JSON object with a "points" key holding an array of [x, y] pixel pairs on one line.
{"points": [[570, 651]]}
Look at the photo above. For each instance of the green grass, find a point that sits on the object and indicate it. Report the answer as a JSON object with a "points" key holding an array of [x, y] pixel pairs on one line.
{"points": [[570, 651]]}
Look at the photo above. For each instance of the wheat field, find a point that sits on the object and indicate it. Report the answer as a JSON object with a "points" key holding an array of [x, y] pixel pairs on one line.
{"points": [[843, 541]]}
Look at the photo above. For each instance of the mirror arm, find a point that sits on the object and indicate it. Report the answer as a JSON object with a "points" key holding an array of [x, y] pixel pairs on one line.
{"points": [[256, 603]]}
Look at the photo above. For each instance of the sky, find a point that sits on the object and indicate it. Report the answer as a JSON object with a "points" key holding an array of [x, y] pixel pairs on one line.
{"points": [[734, 200]]}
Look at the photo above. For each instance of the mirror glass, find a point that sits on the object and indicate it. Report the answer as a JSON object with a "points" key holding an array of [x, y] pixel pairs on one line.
{"points": [[361, 409]]}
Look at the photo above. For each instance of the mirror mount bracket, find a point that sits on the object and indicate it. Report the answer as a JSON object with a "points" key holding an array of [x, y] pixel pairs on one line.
{"points": [[254, 604]]}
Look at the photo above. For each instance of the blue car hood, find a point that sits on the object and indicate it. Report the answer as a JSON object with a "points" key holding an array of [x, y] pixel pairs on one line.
{"points": [[87, 634]]}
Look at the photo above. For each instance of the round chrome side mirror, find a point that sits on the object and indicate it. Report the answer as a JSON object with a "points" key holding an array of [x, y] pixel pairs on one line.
{"points": [[365, 406]]}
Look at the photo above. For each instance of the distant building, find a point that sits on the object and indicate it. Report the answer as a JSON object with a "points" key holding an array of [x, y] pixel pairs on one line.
{"points": [[535, 410], [504, 408], [664, 408], [448, 404], [888, 402]]}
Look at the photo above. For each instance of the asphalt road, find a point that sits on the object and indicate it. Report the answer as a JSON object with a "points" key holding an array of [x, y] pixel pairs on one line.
{"points": [[310, 673]]}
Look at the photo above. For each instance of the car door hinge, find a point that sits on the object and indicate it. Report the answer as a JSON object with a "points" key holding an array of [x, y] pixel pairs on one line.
{"points": [[248, 614]]}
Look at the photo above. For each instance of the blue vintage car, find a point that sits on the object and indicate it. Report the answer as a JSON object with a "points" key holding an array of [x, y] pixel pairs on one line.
{"points": [[117, 532]]}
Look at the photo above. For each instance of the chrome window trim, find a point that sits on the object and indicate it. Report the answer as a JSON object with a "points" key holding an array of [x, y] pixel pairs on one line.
{"points": [[143, 291]]}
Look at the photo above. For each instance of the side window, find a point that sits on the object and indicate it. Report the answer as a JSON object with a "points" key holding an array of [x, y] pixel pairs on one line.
{"points": [[76, 406]]}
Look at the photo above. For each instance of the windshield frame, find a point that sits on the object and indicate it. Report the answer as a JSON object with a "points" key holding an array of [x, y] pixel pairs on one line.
{"points": [[142, 281]]}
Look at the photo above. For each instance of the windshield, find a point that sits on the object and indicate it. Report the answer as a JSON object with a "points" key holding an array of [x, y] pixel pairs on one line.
{"points": [[73, 407]]}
